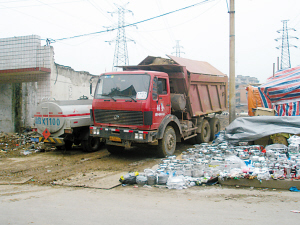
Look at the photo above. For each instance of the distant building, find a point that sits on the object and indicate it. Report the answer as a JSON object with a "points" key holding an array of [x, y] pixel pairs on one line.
{"points": [[241, 98], [245, 80]]}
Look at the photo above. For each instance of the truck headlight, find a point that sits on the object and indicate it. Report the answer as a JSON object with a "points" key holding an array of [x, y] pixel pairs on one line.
{"points": [[95, 131]]}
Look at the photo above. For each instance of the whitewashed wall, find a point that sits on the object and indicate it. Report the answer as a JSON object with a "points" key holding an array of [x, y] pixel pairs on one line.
{"points": [[6, 121], [67, 84]]}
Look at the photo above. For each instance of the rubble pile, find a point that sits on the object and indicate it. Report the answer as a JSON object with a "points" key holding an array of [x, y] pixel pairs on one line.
{"points": [[18, 144], [205, 163]]}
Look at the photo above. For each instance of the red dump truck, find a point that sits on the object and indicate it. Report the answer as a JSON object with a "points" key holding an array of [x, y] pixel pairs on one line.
{"points": [[159, 102]]}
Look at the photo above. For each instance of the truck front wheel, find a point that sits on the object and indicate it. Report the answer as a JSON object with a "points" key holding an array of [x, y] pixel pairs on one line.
{"points": [[167, 145], [92, 144]]}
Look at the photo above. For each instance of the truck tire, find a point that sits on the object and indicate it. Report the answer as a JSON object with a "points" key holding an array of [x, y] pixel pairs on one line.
{"points": [[92, 144], [167, 145], [115, 150], [215, 127], [204, 136]]}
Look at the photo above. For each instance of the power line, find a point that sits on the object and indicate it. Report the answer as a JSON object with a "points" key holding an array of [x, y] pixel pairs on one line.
{"points": [[159, 6], [26, 6], [99, 9], [52, 40], [132, 24]]}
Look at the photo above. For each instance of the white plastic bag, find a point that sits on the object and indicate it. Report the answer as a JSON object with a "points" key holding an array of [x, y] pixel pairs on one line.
{"points": [[176, 182]]}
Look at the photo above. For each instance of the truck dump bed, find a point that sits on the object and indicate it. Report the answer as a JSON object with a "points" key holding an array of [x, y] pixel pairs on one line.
{"points": [[204, 86]]}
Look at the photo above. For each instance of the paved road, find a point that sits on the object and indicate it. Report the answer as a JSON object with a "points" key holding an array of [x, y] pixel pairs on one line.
{"points": [[32, 204]]}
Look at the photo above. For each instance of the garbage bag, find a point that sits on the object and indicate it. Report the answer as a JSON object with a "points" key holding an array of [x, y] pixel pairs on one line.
{"points": [[141, 180], [129, 178]]}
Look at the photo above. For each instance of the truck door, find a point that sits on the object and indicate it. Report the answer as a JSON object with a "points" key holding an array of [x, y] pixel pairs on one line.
{"points": [[161, 105]]}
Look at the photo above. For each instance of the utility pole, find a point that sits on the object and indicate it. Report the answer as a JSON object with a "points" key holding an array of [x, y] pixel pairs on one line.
{"points": [[121, 53], [231, 63], [285, 61], [177, 47]]}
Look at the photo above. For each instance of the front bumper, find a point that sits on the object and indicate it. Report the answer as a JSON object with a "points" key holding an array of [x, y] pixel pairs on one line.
{"points": [[122, 136], [50, 140]]}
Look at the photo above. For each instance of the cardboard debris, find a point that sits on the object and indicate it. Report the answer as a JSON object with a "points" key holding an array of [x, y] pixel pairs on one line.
{"points": [[96, 179]]}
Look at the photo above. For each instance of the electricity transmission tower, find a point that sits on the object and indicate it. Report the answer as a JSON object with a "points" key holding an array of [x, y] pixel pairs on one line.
{"points": [[121, 53], [177, 49], [285, 61]]}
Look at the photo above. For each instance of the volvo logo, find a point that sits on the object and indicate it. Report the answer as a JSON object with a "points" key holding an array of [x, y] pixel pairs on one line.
{"points": [[116, 117]]}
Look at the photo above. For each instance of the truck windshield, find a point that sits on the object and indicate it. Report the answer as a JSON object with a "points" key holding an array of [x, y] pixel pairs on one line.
{"points": [[134, 86]]}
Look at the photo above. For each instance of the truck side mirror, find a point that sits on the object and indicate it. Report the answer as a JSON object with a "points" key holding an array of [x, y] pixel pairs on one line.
{"points": [[91, 86]]}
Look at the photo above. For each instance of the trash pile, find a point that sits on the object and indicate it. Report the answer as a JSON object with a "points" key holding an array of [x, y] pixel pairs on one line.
{"points": [[18, 144], [205, 163]]}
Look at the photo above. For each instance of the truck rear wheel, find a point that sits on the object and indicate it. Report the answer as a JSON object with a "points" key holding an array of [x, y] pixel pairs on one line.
{"points": [[167, 145], [215, 127], [92, 144], [115, 150], [204, 136]]}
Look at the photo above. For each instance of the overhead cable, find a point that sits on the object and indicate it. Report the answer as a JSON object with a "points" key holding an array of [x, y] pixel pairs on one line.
{"points": [[132, 24]]}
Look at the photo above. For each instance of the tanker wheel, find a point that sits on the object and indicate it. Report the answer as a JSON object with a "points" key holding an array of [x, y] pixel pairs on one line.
{"points": [[215, 127], [167, 145], [204, 136], [115, 150], [92, 144], [68, 145]]}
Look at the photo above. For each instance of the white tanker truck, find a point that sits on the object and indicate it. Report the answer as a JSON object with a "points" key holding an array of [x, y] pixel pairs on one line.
{"points": [[64, 123]]}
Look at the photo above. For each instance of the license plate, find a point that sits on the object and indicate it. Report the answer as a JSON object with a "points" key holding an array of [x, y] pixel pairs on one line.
{"points": [[117, 139]]}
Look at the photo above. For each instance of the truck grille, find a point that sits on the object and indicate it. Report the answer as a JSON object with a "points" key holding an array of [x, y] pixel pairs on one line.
{"points": [[119, 117]]}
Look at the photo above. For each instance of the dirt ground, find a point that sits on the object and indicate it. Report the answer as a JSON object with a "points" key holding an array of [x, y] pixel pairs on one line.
{"points": [[47, 167]]}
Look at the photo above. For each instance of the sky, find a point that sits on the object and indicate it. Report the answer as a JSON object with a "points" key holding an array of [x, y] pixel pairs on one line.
{"points": [[202, 31]]}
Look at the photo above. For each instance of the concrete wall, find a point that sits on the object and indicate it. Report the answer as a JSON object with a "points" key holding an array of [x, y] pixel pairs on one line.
{"points": [[29, 102], [68, 84], [6, 119], [23, 52]]}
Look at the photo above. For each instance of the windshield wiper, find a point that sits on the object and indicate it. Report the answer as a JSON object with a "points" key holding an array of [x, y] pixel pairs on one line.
{"points": [[132, 98], [110, 97]]}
